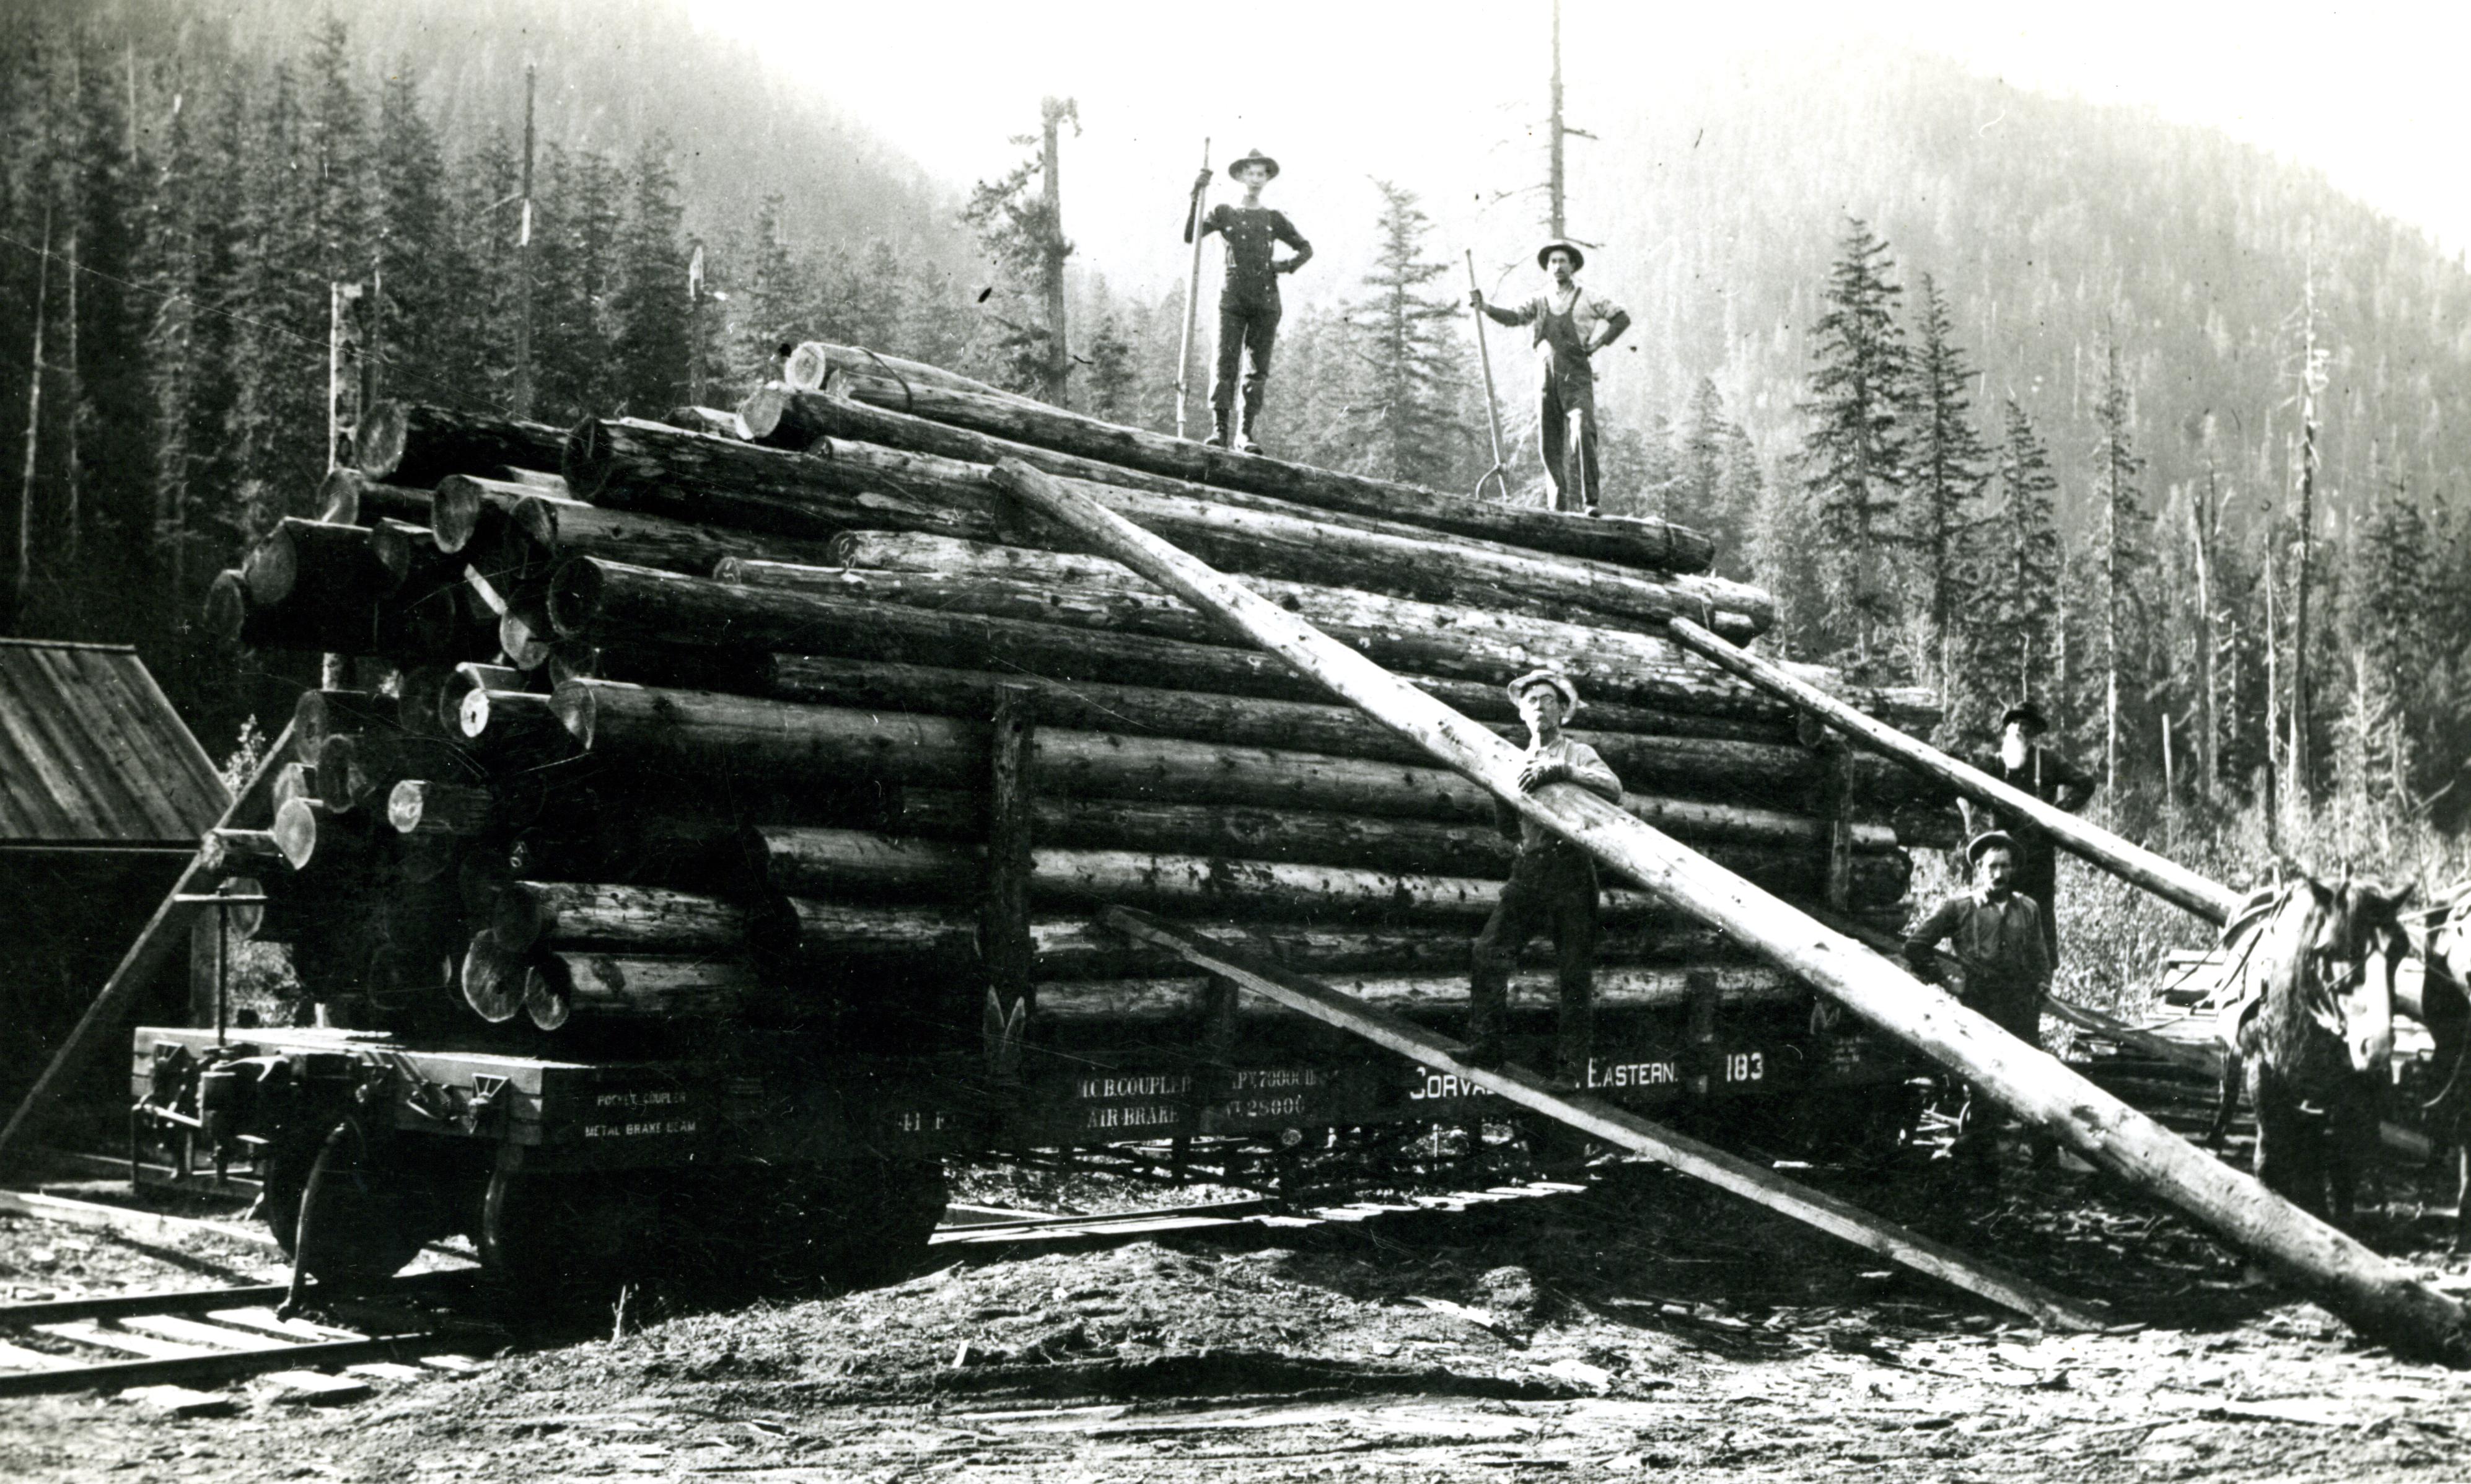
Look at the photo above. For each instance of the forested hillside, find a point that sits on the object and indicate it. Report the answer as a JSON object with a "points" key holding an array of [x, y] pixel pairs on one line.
{"points": [[2000, 391]]}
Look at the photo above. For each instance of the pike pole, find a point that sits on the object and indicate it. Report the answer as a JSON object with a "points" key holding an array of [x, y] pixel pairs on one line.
{"points": [[1191, 303], [1499, 474]]}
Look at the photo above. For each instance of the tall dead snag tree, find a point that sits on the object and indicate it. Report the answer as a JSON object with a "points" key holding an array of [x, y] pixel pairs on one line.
{"points": [[2312, 380], [1023, 234], [2122, 557]]}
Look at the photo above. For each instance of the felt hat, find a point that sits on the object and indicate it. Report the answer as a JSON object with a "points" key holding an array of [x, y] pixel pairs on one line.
{"points": [[1553, 679], [2026, 713], [1974, 847], [1578, 259], [1257, 157]]}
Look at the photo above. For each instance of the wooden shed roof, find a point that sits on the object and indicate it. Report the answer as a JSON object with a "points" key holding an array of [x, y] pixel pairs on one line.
{"points": [[92, 755]]}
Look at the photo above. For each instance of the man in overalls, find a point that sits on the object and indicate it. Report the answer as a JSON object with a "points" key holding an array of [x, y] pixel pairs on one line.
{"points": [[1571, 325], [1552, 885], [1248, 295]]}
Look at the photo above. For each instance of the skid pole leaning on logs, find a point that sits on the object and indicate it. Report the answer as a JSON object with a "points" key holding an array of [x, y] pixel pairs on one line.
{"points": [[2368, 1291]]}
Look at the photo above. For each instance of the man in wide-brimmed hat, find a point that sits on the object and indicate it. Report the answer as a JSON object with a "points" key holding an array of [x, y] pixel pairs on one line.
{"points": [[1571, 325], [1248, 293], [1552, 885], [1995, 931], [2025, 765]]}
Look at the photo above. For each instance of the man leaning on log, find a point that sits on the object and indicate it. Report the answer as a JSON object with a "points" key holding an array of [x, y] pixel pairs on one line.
{"points": [[1571, 325], [1995, 931], [1552, 885], [1248, 294]]}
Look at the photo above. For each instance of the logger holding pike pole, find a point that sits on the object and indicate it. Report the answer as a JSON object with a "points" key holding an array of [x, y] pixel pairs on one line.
{"points": [[1248, 295], [1571, 325], [1499, 473]]}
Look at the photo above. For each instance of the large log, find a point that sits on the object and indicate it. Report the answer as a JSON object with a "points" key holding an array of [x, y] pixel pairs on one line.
{"points": [[1618, 987], [347, 497], [227, 852], [850, 485], [889, 936], [1426, 639], [514, 726], [451, 811], [2368, 1291], [492, 979], [312, 834], [413, 444], [533, 915], [596, 601], [1289, 832], [822, 861], [318, 714], [553, 527], [988, 430], [312, 567], [2124, 859], [358, 768], [811, 363], [559, 987], [763, 742]]}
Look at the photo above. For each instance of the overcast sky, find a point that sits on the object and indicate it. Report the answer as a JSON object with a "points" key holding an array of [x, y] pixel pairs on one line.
{"points": [[1438, 95]]}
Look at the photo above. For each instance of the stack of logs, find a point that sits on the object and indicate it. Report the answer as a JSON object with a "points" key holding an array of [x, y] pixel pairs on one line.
{"points": [[787, 714]]}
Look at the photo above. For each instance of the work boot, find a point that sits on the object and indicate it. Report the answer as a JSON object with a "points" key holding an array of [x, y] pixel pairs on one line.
{"points": [[1217, 428], [1245, 441]]}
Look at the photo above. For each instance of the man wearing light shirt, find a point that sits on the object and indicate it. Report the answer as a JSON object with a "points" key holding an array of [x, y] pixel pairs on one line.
{"points": [[1571, 325], [1552, 886]]}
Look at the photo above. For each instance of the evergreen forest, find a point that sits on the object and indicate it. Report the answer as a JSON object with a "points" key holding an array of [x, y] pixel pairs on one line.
{"points": [[2005, 394]]}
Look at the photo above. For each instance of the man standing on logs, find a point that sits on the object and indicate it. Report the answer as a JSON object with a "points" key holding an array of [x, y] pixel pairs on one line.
{"points": [[1995, 931], [1248, 294], [1571, 325], [1552, 885], [2024, 765]]}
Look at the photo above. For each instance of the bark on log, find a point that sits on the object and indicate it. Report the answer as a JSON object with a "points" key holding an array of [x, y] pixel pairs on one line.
{"points": [[1531, 991], [816, 860], [596, 600], [684, 732], [854, 486], [719, 423], [446, 698], [840, 935], [427, 807], [570, 528], [811, 363], [514, 726], [415, 445], [492, 979], [312, 567], [359, 769], [347, 497], [587, 986], [318, 714], [2381, 1300], [531, 915], [961, 424], [1423, 639], [462, 506], [226, 853]]}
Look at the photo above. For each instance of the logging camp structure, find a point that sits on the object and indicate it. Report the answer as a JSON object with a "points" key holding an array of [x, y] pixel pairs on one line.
{"points": [[729, 819]]}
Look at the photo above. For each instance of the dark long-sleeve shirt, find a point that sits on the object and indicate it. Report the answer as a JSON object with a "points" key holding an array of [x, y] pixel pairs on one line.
{"points": [[1252, 277], [2045, 776], [1999, 943]]}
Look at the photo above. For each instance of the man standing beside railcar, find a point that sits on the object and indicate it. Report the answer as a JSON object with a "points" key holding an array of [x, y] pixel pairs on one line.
{"points": [[1995, 931], [2025, 765], [1248, 295], [1571, 325]]}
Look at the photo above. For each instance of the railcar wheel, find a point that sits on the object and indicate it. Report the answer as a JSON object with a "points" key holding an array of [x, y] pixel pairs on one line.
{"points": [[851, 1223], [553, 1238], [377, 1204]]}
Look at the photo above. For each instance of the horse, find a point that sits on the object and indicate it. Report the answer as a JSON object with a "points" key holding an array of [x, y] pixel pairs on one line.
{"points": [[2309, 1036], [2445, 1009]]}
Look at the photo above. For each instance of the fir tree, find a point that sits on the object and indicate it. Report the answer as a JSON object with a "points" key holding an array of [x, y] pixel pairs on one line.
{"points": [[1854, 462], [773, 308], [1708, 489], [1110, 387], [1400, 331], [1017, 233], [113, 411], [423, 280], [1949, 469], [2020, 577], [577, 225], [650, 306]]}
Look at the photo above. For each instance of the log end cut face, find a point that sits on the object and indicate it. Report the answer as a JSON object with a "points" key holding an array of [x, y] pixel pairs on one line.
{"points": [[378, 444]]}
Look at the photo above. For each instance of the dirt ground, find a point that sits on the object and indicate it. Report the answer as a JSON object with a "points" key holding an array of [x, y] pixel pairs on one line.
{"points": [[1647, 1327]]}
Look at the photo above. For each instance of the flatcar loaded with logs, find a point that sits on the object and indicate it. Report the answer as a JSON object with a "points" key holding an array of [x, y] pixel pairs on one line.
{"points": [[705, 827]]}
